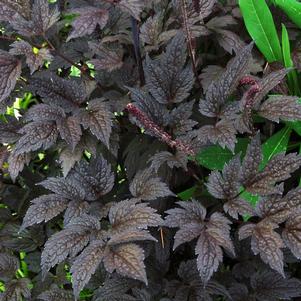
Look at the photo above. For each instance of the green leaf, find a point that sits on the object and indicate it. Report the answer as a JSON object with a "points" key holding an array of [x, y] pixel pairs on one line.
{"points": [[260, 25], [292, 8], [296, 126], [187, 194], [288, 63], [275, 145], [214, 157]]}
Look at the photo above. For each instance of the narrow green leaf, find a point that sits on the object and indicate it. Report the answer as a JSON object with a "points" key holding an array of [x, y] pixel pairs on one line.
{"points": [[214, 157], [275, 145], [292, 8], [292, 77], [260, 25]]}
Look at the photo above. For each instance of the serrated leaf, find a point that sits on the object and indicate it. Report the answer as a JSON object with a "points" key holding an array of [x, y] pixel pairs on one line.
{"points": [[42, 112], [132, 7], [219, 90], [9, 130], [191, 212], [37, 134], [64, 188], [205, 7], [95, 178], [15, 289], [271, 286], [226, 185], [42, 19], [230, 41], [89, 17], [213, 233], [266, 242], [167, 79], [75, 209], [292, 234], [9, 8], [238, 206], [146, 186], [56, 294], [43, 209], [260, 25], [68, 242], [252, 159], [70, 130], [126, 260], [222, 133], [16, 164], [268, 83], [86, 264], [98, 119], [279, 168], [69, 158], [283, 107], [57, 91], [10, 70], [210, 255], [9, 264], [33, 60], [179, 160], [107, 59], [153, 109], [113, 288], [126, 215], [130, 236]]}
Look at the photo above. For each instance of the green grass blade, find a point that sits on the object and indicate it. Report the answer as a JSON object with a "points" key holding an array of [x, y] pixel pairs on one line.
{"points": [[275, 145], [292, 77], [260, 25], [292, 8]]}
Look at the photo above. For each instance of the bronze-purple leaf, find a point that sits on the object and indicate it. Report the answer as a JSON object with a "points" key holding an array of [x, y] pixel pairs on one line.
{"points": [[226, 185], [126, 260], [35, 58], [292, 234], [146, 186], [252, 160], [279, 168], [266, 242], [282, 107], [98, 118], [10, 70], [16, 163], [210, 255], [68, 242], [130, 215], [89, 17], [86, 264], [37, 134], [70, 130], [43, 209], [222, 133], [54, 294]]}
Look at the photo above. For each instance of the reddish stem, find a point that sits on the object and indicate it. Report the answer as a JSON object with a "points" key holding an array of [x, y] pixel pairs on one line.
{"points": [[158, 131]]}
